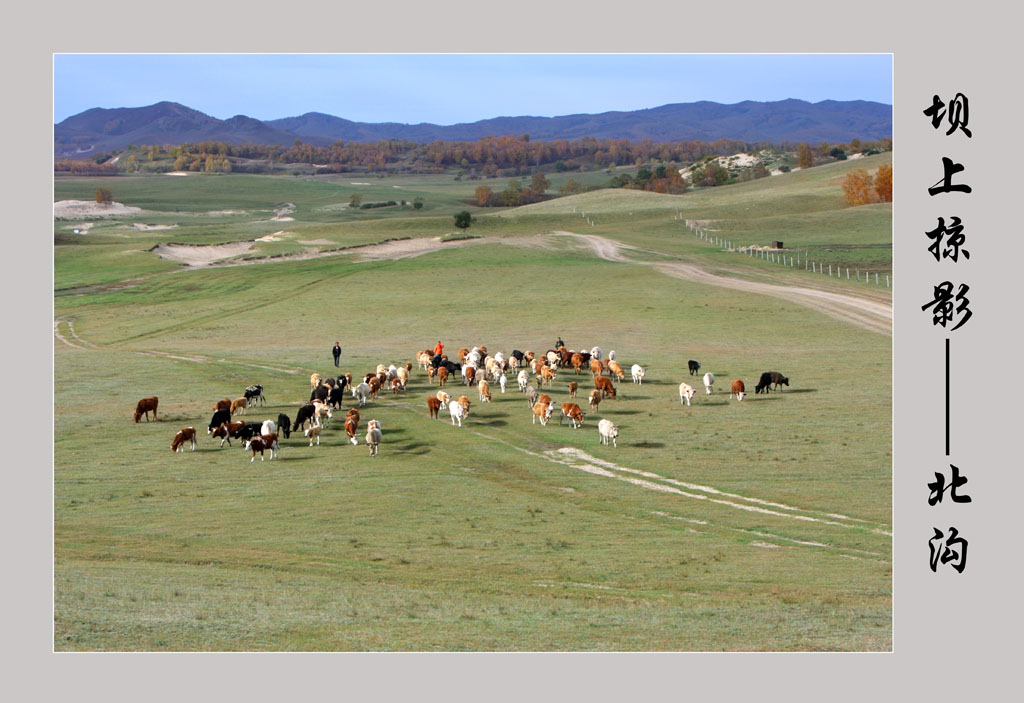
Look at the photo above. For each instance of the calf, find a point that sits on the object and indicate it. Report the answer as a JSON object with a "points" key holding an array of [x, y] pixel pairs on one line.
{"points": [[464, 402], [737, 389], [531, 395], [443, 397], [188, 434], [224, 404], [685, 393], [485, 391], [227, 431], [144, 406], [542, 411], [322, 414], [238, 406], [638, 373], [764, 383], [284, 424], [261, 444], [351, 427], [778, 379], [573, 386], [522, 379], [457, 412], [594, 399], [219, 418], [254, 393], [694, 367], [574, 413], [469, 373], [502, 380], [608, 430], [442, 376], [373, 436], [305, 414], [431, 372], [433, 406], [709, 381], [604, 385], [313, 433], [397, 386], [615, 368]]}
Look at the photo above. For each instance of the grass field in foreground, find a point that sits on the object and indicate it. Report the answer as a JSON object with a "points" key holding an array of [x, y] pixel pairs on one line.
{"points": [[760, 525]]}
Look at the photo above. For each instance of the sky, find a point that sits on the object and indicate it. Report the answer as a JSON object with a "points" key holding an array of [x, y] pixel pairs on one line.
{"points": [[451, 88]]}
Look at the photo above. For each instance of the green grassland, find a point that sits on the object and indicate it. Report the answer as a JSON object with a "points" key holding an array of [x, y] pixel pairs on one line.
{"points": [[761, 525]]}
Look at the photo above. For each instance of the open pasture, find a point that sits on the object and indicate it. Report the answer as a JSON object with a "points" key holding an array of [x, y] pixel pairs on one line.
{"points": [[758, 525]]}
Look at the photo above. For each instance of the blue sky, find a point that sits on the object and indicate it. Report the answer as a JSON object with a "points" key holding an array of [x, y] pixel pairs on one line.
{"points": [[451, 88]]}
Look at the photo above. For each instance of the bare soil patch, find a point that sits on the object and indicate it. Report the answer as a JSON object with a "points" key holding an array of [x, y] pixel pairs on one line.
{"points": [[142, 227], [84, 209], [198, 255]]}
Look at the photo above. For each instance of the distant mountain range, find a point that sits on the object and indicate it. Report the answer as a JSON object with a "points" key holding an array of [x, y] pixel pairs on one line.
{"points": [[100, 129]]}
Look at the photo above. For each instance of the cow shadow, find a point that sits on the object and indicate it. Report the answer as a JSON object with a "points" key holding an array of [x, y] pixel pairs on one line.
{"points": [[493, 423], [626, 412], [797, 390], [649, 445]]}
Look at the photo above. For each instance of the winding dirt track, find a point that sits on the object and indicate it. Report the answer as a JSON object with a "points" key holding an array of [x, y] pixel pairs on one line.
{"points": [[867, 314]]}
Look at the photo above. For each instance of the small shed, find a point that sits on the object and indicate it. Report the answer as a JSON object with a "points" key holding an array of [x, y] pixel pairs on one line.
{"points": [[777, 245]]}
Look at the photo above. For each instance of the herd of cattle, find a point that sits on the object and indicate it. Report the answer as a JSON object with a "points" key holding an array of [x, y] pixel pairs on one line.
{"points": [[475, 367]]}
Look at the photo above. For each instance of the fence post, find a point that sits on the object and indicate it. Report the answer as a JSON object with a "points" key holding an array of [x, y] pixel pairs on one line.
{"points": [[876, 278], [886, 280]]}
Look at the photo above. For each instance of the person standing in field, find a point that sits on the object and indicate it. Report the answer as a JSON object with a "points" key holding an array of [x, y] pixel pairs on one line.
{"points": [[438, 348], [559, 344], [337, 352]]}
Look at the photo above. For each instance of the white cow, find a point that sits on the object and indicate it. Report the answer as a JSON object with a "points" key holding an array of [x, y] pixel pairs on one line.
{"points": [[502, 380], [608, 430], [709, 381], [595, 353], [268, 427], [373, 436], [685, 393], [361, 392], [523, 378], [638, 373], [456, 411]]}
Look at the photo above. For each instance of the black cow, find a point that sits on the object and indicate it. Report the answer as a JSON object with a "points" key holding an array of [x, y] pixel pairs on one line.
{"points": [[321, 392], [778, 379], [250, 430], [518, 356], [284, 425], [694, 367], [336, 396], [253, 393], [306, 413], [585, 355], [452, 367], [436, 361], [765, 382], [219, 418]]}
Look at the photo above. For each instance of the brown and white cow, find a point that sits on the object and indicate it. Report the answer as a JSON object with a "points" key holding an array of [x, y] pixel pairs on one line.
{"points": [[464, 402], [542, 411], [375, 386], [737, 389], [444, 397], [227, 431], [314, 380], [546, 374], [313, 433], [262, 443], [144, 406], [604, 385], [462, 355], [351, 427], [431, 372], [485, 391], [574, 413], [186, 434], [594, 399]]}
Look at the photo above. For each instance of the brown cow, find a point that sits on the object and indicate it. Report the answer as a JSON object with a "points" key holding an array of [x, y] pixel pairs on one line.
{"points": [[462, 355], [573, 387], [604, 385], [187, 434], [375, 385], [596, 368], [397, 385], [577, 362], [227, 431], [144, 406], [223, 405], [614, 367], [464, 402], [433, 406], [594, 399], [485, 390], [239, 404], [544, 398], [546, 374], [431, 372], [738, 389], [442, 376], [574, 413], [469, 373], [351, 427]]}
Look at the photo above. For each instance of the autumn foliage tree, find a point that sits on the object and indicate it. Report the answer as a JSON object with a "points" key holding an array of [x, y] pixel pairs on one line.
{"points": [[804, 156], [858, 187], [104, 196], [883, 183]]}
